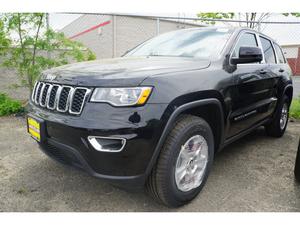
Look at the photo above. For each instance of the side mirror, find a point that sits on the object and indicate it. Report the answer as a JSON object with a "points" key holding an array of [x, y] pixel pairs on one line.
{"points": [[248, 55]]}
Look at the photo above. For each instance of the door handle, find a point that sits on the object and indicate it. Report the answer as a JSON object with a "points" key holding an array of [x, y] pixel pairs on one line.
{"points": [[281, 70], [262, 71]]}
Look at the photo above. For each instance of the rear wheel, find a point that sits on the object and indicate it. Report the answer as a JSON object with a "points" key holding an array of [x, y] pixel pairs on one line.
{"points": [[279, 123], [184, 162], [297, 164]]}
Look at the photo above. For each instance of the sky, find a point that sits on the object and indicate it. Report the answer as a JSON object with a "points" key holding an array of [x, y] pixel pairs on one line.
{"points": [[57, 21], [284, 34]]}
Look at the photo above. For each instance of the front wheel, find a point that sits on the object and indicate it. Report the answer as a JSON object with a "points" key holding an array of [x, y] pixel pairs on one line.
{"points": [[279, 123], [184, 162]]}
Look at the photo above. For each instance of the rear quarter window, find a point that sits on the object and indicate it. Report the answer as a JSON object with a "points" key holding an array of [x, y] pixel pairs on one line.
{"points": [[268, 50], [279, 53]]}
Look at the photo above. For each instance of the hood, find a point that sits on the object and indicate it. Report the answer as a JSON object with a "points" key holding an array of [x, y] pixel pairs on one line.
{"points": [[125, 71]]}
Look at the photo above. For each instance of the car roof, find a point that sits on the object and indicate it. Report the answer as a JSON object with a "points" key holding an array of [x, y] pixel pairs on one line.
{"points": [[239, 29], [235, 30]]}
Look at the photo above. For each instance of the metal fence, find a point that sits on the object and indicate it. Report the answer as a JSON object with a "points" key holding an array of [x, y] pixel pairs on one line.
{"points": [[111, 35]]}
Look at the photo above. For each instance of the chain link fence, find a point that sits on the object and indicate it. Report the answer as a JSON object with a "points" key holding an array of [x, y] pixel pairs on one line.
{"points": [[111, 35]]}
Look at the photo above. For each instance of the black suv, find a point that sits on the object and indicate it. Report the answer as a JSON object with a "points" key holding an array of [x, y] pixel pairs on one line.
{"points": [[156, 116]]}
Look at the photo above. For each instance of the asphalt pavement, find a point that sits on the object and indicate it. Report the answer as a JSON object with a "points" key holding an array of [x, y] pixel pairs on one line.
{"points": [[252, 174]]}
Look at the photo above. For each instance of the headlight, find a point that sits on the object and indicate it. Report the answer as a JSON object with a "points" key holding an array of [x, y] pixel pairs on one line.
{"points": [[122, 96]]}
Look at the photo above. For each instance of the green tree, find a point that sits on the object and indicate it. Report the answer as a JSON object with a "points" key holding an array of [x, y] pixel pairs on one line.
{"points": [[293, 14], [4, 41], [28, 43], [248, 17], [217, 15]]}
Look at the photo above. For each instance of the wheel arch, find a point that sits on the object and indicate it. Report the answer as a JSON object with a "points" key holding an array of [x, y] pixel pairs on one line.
{"points": [[202, 108], [288, 91]]}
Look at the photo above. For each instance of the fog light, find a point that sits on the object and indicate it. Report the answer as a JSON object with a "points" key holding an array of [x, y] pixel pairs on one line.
{"points": [[107, 144]]}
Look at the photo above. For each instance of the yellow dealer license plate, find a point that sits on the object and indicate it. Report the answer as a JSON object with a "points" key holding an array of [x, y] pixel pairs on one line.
{"points": [[34, 128]]}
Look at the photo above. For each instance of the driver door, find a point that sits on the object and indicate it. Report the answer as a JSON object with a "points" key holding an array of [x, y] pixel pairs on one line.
{"points": [[251, 89]]}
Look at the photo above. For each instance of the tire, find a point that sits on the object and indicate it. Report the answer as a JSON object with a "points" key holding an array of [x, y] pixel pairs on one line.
{"points": [[162, 184], [297, 164], [275, 129]]}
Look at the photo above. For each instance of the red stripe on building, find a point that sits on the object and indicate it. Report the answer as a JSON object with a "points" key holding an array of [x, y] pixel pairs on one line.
{"points": [[295, 64], [91, 29]]}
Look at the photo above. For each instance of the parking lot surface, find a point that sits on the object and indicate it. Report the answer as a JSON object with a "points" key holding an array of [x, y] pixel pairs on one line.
{"points": [[252, 174]]}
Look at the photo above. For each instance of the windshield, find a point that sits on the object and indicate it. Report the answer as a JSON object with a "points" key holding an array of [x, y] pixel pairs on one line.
{"points": [[197, 43]]}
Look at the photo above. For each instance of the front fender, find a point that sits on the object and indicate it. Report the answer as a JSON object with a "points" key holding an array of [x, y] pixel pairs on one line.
{"points": [[172, 118]]}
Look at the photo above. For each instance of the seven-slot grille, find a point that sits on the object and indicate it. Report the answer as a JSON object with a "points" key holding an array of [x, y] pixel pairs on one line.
{"points": [[61, 98]]}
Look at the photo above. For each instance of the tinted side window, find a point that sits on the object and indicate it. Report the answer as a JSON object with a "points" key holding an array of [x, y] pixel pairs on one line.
{"points": [[279, 54], [246, 40], [268, 50]]}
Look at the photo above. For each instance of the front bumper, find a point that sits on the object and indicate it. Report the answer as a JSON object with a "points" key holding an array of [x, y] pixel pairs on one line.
{"points": [[65, 138]]}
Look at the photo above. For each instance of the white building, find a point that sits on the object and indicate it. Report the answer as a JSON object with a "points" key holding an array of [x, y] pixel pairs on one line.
{"points": [[292, 53], [112, 35]]}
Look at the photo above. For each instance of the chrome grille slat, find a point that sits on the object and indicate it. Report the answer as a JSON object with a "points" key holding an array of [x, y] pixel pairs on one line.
{"points": [[38, 92], [79, 102], [43, 96], [48, 94], [64, 99], [51, 103], [34, 91], [57, 96], [61, 98]]}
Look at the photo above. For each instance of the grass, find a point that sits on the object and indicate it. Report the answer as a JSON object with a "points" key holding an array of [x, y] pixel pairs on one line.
{"points": [[295, 108], [9, 106], [22, 190]]}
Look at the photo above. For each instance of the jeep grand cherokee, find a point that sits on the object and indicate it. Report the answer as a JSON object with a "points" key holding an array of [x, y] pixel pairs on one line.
{"points": [[156, 116]]}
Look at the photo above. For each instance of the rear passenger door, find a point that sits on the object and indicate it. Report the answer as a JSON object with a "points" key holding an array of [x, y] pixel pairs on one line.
{"points": [[277, 68], [281, 69], [254, 86]]}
